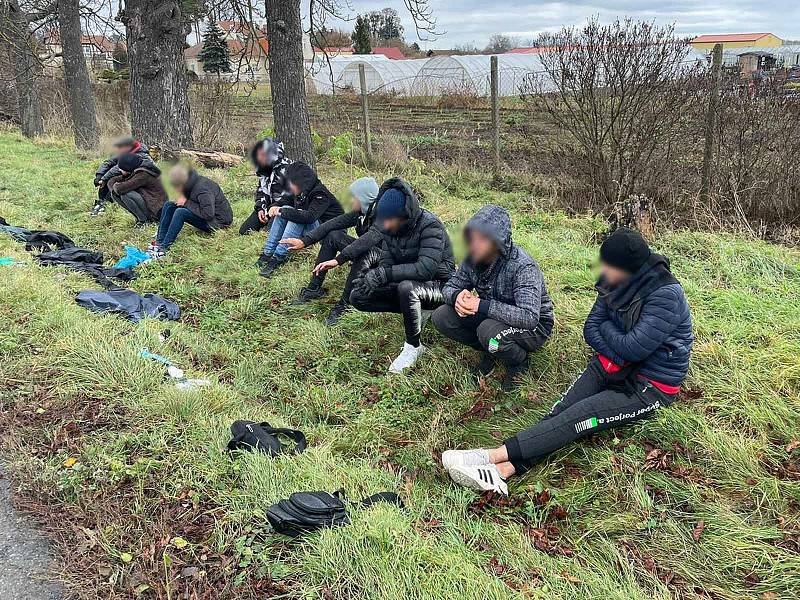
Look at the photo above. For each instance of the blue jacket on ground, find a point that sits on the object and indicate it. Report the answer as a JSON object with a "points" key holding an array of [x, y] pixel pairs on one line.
{"points": [[645, 321]]}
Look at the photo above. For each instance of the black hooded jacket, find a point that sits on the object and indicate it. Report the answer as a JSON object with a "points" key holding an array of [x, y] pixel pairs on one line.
{"points": [[109, 168], [273, 189], [315, 203], [421, 249], [512, 288], [206, 199]]}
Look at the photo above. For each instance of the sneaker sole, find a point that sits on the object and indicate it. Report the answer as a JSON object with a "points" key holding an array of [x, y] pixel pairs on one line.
{"points": [[460, 476]]}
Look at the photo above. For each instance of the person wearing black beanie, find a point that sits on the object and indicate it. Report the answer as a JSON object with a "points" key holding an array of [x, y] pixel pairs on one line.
{"points": [[137, 188], [128, 163], [640, 329]]}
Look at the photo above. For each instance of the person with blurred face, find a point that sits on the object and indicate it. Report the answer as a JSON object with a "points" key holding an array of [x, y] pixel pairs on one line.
{"points": [[201, 203], [138, 189], [338, 248], [640, 328], [271, 163], [406, 272], [497, 301], [110, 168], [312, 205]]}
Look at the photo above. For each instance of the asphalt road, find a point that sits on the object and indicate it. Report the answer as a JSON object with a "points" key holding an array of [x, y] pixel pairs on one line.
{"points": [[25, 558]]}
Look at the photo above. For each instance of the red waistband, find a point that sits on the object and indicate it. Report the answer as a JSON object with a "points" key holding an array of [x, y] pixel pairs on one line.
{"points": [[610, 366]]}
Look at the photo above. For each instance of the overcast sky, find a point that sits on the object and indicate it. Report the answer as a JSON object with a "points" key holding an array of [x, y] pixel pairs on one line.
{"points": [[474, 21]]}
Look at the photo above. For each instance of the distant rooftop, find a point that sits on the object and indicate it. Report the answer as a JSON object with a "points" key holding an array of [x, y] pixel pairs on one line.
{"points": [[729, 37]]}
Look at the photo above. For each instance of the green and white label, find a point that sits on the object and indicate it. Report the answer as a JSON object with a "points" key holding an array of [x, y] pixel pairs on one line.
{"points": [[586, 424], [494, 345]]}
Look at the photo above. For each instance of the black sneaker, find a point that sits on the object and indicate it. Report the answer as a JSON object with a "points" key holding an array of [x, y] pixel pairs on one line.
{"points": [[486, 366], [273, 265], [263, 260], [98, 209], [336, 313], [514, 374], [307, 294]]}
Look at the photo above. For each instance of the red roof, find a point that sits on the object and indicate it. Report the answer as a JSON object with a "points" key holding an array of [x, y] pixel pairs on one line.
{"points": [[392, 53], [236, 49], [100, 42], [728, 37], [531, 50]]}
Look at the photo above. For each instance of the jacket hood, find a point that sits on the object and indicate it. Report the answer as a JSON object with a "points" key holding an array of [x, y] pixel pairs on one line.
{"points": [[413, 210], [191, 181], [494, 222], [365, 190], [302, 176], [274, 151], [150, 170]]}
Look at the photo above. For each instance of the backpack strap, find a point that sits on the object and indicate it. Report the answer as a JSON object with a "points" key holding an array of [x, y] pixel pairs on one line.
{"points": [[298, 437], [387, 497]]}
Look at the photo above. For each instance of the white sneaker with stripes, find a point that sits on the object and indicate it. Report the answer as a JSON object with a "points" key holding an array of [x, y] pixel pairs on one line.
{"points": [[465, 458], [483, 478]]}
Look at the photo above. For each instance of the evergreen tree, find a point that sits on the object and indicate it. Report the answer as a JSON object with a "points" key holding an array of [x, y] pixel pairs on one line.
{"points": [[362, 42], [214, 54]]}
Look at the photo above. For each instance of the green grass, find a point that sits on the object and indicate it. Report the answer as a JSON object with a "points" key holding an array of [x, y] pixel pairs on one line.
{"points": [[153, 491]]}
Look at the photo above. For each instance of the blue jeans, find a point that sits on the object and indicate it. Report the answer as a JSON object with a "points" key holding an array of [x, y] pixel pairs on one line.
{"points": [[281, 228], [172, 219]]}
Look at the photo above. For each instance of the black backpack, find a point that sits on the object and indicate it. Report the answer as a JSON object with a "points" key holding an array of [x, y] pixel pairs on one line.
{"points": [[249, 435], [303, 512]]}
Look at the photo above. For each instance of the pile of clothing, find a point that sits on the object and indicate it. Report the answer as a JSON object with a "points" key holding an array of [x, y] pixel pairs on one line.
{"points": [[57, 250]]}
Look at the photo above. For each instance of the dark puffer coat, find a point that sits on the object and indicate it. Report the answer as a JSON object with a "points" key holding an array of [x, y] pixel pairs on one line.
{"points": [[109, 168], [645, 322], [512, 288], [146, 180], [420, 250], [315, 203], [206, 199]]}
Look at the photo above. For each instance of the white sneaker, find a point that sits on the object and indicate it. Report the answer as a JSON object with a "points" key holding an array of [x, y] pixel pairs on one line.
{"points": [[407, 358], [483, 478], [465, 458]]}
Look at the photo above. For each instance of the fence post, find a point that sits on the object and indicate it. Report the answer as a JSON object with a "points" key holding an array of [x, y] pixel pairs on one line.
{"points": [[711, 119], [362, 76], [495, 87]]}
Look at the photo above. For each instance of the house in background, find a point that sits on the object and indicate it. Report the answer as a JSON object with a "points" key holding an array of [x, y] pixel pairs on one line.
{"points": [[97, 49], [248, 52], [736, 40]]}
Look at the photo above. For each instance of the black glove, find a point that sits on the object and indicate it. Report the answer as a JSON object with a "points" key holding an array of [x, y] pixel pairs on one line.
{"points": [[375, 279]]}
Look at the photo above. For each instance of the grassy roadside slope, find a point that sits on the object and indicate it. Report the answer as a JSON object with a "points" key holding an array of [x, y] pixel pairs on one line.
{"points": [[700, 502]]}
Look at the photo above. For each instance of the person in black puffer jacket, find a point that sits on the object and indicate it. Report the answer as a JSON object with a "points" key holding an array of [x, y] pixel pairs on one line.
{"points": [[406, 273], [201, 203], [511, 314], [641, 330], [271, 163], [313, 204]]}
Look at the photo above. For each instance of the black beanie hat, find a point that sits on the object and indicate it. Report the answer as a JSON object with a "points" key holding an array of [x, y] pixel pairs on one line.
{"points": [[625, 249], [129, 162]]}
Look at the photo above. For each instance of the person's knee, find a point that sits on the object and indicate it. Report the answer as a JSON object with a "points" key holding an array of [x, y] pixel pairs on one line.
{"points": [[406, 290], [442, 318], [486, 331], [182, 213], [357, 299]]}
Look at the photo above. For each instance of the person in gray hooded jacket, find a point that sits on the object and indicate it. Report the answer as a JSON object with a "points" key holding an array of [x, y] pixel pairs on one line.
{"points": [[497, 301]]}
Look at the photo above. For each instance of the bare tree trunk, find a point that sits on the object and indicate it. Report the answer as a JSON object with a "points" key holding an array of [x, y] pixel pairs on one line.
{"points": [[76, 74], [287, 78], [159, 93], [27, 69]]}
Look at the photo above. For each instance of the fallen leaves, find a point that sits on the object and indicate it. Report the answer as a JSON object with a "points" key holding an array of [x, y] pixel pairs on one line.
{"points": [[698, 530], [70, 462]]}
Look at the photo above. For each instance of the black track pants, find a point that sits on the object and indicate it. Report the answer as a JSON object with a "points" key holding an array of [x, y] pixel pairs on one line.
{"points": [[408, 298], [592, 404], [508, 344], [330, 246], [134, 204], [252, 223]]}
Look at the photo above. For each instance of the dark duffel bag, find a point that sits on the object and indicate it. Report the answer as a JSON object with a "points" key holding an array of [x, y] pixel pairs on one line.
{"points": [[263, 437]]}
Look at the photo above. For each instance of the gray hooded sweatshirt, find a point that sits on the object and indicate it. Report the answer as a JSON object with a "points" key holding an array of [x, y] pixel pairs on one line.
{"points": [[512, 289]]}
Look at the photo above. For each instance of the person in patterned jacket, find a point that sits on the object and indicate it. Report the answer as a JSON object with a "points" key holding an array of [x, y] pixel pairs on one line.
{"points": [[270, 162]]}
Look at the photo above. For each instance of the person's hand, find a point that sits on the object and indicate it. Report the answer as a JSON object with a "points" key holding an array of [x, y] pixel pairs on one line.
{"points": [[467, 304], [375, 279], [97, 182], [180, 201], [274, 211], [262, 217], [293, 244], [102, 184], [325, 266]]}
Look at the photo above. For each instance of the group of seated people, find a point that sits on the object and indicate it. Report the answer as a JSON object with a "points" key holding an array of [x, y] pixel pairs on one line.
{"points": [[496, 301]]}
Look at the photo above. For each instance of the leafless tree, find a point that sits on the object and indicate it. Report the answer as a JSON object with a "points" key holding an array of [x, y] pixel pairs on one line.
{"points": [[619, 91], [500, 44], [76, 74]]}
